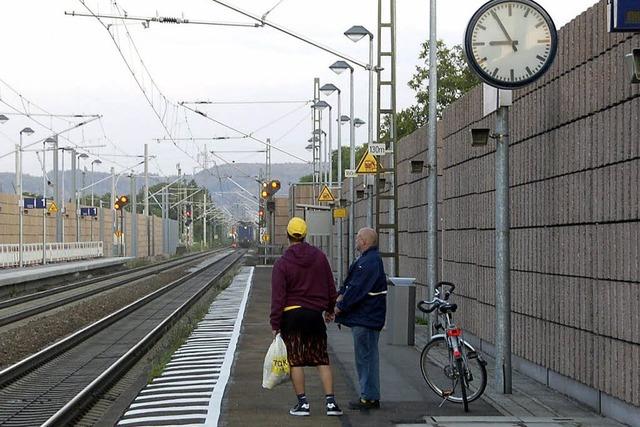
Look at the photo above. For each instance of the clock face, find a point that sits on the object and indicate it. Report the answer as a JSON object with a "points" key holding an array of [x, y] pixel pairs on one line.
{"points": [[510, 43]]}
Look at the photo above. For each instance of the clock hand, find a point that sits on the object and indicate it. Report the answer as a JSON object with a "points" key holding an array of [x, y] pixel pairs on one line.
{"points": [[504, 30], [504, 43]]}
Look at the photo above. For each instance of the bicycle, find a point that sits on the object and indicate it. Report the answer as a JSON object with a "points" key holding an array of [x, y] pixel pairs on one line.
{"points": [[452, 368]]}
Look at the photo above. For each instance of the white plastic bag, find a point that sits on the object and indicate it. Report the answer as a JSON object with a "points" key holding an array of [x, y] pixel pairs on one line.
{"points": [[276, 365]]}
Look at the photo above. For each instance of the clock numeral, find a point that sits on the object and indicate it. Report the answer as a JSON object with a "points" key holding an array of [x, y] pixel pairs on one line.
{"points": [[544, 41], [510, 7], [540, 58], [482, 27], [480, 61], [478, 44], [527, 13], [539, 24], [512, 76], [495, 72], [529, 71]]}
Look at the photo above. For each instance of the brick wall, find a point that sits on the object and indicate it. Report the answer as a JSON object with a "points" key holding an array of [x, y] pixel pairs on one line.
{"points": [[574, 177]]}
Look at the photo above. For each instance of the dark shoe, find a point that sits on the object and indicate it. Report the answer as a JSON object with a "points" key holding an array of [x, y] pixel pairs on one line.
{"points": [[300, 410], [363, 404], [333, 409]]}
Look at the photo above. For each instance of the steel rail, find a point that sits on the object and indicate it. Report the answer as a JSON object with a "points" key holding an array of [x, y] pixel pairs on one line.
{"points": [[13, 372], [139, 273], [83, 400]]}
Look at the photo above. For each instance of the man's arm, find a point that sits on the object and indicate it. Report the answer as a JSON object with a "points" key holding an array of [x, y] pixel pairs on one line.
{"points": [[363, 278]]}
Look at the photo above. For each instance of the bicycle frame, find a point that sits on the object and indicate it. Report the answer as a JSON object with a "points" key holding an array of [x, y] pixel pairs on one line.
{"points": [[453, 336]]}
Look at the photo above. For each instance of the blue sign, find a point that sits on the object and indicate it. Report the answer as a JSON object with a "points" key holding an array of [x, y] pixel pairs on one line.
{"points": [[32, 203], [88, 211], [624, 16]]}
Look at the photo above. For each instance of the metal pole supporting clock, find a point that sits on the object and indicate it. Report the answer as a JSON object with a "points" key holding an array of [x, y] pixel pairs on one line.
{"points": [[508, 44]]}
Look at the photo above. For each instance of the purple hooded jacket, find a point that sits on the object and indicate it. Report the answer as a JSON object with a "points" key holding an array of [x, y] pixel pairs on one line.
{"points": [[302, 276]]}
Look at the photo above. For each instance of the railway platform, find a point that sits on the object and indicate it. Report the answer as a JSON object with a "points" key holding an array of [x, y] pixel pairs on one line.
{"points": [[215, 379], [26, 274]]}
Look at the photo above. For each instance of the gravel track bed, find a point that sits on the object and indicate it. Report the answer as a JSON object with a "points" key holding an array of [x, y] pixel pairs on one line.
{"points": [[34, 335]]}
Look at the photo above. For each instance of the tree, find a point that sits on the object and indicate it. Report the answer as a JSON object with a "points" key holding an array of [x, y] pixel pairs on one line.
{"points": [[346, 151], [455, 78]]}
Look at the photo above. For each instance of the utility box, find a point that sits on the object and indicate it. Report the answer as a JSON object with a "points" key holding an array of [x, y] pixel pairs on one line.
{"points": [[401, 309]]}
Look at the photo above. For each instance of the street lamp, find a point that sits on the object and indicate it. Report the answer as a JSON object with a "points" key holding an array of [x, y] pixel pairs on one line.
{"points": [[338, 67], [358, 122], [76, 162], [3, 119], [357, 33], [95, 162], [26, 131], [328, 89]]}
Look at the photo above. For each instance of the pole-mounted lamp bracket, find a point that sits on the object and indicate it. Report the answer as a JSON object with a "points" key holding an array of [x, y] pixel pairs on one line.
{"points": [[480, 137]]}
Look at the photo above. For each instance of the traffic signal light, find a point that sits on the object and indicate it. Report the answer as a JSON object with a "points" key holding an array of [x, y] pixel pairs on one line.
{"points": [[121, 202], [265, 192], [261, 217], [274, 186]]}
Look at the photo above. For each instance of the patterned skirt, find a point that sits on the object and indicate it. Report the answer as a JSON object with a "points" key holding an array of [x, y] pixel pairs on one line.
{"points": [[305, 335]]}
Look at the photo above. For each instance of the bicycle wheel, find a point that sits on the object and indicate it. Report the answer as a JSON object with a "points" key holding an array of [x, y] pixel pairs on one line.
{"points": [[463, 388], [440, 372]]}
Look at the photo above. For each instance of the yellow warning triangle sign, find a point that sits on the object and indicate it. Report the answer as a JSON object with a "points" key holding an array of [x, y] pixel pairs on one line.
{"points": [[326, 195], [53, 208], [368, 164]]}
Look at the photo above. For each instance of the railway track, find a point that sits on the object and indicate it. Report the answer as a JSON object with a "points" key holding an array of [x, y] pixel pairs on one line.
{"points": [[26, 306], [56, 385]]}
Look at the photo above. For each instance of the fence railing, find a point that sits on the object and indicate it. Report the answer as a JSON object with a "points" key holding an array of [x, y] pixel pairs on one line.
{"points": [[54, 252]]}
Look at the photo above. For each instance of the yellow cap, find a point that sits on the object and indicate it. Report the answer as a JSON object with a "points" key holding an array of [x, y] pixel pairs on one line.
{"points": [[297, 227]]}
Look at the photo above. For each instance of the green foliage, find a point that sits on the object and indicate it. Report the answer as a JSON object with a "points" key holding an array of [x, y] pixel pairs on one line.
{"points": [[455, 78], [346, 161]]}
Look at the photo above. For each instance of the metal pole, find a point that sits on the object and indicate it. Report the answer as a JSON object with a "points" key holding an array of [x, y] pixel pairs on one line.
{"points": [[330, 149], [503, 274], [204, 219], [92, 204], [56, 189], [74, 186], [369, 179], [44, 201], [114, 213], [63, 205], [101, 222], [20, 202], [339, 179], [432, 179], [146, 197], [134, 218], [352, 165]]}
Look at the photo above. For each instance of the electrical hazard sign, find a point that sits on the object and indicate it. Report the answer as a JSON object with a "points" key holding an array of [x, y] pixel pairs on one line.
{"points": [[53, 208], [326, 195], [368, 164]]}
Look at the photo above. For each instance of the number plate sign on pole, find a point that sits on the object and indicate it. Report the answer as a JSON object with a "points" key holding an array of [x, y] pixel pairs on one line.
{"points": [[340, 212], [368, 164], [377, 149], [350, 173], [326, 195]]}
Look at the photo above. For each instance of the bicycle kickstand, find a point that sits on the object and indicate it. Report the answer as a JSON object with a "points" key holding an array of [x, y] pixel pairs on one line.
{"points": [[446, 395]]}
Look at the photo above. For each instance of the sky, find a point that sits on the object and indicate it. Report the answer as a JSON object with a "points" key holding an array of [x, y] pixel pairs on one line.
{"points": [[69, 65]]}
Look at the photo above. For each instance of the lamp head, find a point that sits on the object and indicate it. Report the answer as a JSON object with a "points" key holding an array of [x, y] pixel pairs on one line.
{"points": [[320, 105], [309, 147], [339, 66], [96, 162], [358, 122], [27, 131], [4, 119], [52, 139], [344, 119], [83, 156], [329, 88], [357, 32]]}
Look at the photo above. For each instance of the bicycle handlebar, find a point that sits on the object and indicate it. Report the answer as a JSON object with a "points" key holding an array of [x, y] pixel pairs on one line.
{"points": [[436, 302]]}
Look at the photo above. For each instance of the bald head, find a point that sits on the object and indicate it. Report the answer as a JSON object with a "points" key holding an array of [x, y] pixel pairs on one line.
{"points": [[366, 238]]}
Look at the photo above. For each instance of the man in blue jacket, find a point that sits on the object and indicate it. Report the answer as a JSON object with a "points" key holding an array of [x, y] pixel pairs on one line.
{"points": [[362, 305]]}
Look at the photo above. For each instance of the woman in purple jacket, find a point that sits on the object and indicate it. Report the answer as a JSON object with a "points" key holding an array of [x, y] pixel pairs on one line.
{"points": [[302, 287]]}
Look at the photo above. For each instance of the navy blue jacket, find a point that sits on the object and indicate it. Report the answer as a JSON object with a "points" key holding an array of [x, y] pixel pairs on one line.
{"points": [[364, 293]]}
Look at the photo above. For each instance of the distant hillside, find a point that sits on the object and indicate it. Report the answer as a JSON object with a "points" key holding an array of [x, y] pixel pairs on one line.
{"points": [[218, 180]]}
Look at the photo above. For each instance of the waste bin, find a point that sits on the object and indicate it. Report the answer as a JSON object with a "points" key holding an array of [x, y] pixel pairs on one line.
{"points": [[401, 303]]}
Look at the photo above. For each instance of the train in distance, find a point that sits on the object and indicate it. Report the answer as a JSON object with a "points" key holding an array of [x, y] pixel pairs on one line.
{"points": [[245, 234]]}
